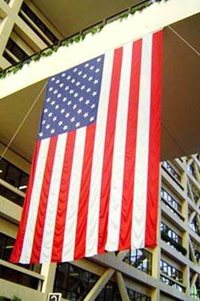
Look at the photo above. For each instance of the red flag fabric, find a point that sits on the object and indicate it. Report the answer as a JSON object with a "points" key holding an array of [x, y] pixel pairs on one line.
{"points": [[94, 179]]}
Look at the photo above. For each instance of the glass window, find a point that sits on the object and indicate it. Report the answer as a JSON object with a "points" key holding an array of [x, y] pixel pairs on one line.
{"points": [[16, 50], [18, 277], [109, 293], [14, 176], [38, 23], [6, 246], [140, 259], [171, 170], [135, 296], [73, 282], [171, 202], [171, 271]]}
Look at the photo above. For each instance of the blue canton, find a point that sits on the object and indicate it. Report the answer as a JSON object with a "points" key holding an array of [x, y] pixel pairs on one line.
{"points": [[72, 99]]}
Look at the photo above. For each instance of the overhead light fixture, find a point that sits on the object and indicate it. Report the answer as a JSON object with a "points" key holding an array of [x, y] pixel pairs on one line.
{"points": [[22, 187], [1, 170]]}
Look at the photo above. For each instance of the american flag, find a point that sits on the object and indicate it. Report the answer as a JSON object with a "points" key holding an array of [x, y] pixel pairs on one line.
{"points": [[94, 180]]}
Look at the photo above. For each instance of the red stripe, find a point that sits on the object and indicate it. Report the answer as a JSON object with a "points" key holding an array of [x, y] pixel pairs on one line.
{"points": [[39, 227], [108, 151], [129, 166], [15, 256], [84, 193], [63, 199], [154, 142]]}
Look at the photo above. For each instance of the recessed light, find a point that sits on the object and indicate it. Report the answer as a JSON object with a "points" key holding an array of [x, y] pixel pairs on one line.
{"points": [[22, 187]]}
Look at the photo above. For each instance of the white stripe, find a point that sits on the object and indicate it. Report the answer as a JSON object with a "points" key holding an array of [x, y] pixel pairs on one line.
{"points": [[34, 202], [97, 163], [142, 147], [114, 217], [53, 198], [73, 199]]}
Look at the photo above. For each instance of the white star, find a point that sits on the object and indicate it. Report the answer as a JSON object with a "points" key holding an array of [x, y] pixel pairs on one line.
{"points": [[92, 118], [90, 78], [67, 115], [93, 106], [53, 78], [47, 126], [75, 69], [77, 124], [74, 107], [59, 95], [87, 102], [45, 110], [97, 70], [83, 87], [85, 115], [96, 81], [72, 119], [55, 92], [55, 118], [43, 121], [69, 103], [62, 111], [65, 127], [73, 80], [81, 98], [92, 67], [64, 99], [99, 59], [66, 88], [86, 65], [88, 90], [52, 131], [76, 95], [48, 99], [69, 77], [94, 93], [78, 84], [61, 85], [50, 89], [80, 72], [85, 75], [40, 134], [57, 107], [60, 123], [63, 74], [71, 91], [53, 102], [79, 111], [57, 82], [50, 114]]}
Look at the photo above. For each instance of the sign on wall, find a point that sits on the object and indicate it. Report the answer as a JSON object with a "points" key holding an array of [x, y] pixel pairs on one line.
{"points": [[54, 297]]}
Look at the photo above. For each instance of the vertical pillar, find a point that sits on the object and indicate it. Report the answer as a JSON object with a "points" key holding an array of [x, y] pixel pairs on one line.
{"points": [[48, 271]]}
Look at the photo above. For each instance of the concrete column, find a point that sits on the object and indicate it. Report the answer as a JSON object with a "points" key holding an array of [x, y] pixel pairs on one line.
{"points": [[8, 24], [48, 271], [122, 287]]}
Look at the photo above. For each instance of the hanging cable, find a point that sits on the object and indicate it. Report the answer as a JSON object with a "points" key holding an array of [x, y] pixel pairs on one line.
{"points": [[22, 122], [182, 39]]}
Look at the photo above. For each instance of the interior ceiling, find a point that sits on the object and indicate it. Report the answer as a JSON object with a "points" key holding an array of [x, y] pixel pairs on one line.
{"points": [[180, 99], [70, 16]]}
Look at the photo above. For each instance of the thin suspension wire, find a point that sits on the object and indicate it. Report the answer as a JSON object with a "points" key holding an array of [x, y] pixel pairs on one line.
{"points": [[182, 39], [22, 122]]}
